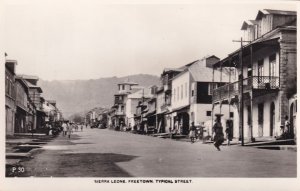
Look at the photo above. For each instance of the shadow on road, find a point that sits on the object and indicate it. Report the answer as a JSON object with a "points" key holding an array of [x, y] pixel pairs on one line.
{"points": [[53, 164]]}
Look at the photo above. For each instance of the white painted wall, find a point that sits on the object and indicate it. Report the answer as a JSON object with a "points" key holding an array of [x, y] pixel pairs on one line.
{"points": [[266, 122], [179, 83], [130, 109]]}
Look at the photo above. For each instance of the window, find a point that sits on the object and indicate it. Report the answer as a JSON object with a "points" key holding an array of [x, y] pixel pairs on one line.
{"points": [[178, 93], [185, 87], [231, 114], [210, 88], [261, 68], [6, 85], [260, 113], [208, 113], [181, 92], [272, 60], [193, 87], [174, 98]]}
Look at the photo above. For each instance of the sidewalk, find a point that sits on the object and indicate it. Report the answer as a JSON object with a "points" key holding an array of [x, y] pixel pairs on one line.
{"points": [[261, 143], [22, 147]]}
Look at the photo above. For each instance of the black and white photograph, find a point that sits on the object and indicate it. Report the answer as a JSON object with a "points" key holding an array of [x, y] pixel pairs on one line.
{"points": [[140, 94]]}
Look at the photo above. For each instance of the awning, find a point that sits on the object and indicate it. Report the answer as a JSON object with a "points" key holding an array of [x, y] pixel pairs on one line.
{"points": [[20, 106], [180, 109], [150, 114], [40, 112], [163, 112]]}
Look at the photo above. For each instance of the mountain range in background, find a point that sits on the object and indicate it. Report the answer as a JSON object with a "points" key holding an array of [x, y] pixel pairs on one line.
{"points": [[79, 96]]}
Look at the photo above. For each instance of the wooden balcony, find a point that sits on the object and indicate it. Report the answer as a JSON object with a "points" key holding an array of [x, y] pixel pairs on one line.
{"points": [[118, 112], [263, 83], [166, 104]]}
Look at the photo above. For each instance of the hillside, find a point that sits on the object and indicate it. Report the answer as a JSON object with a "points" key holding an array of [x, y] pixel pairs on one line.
{"points": [[77, 96]]}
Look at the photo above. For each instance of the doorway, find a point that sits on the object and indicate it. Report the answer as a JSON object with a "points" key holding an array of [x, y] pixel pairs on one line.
{"points": [[291, 129], [272, 118], [260, 119]]}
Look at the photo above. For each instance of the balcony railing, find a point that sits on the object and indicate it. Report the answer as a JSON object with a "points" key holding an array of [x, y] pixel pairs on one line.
{"points": [[120, 112], [118, 101], [166, 104], [255, 82]]}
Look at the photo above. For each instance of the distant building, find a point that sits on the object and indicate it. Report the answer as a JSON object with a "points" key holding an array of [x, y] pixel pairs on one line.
{"points": [[145, 115], [165, 120], [25, 107], [35, 95], [133, 100], [120, 98]]}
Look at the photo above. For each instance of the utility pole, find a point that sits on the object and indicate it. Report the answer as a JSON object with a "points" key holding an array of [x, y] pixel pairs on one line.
{"points": [[242, 91]]}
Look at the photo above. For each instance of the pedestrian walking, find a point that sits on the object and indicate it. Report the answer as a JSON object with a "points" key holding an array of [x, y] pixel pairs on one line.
{"points": [[286, 125], [50, 129], [69, 131], [228, 132], [81, 127], [72, 127], [192, 132], [218, 132], [64, 126]]}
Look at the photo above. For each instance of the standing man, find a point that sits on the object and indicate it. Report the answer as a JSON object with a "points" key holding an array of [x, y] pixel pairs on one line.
{"points": [[69, 130], [64, 126], [218, 132], [192, 132]]}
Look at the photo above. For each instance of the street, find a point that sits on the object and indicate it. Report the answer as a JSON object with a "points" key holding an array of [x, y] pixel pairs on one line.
{"points": [[108, 153]]}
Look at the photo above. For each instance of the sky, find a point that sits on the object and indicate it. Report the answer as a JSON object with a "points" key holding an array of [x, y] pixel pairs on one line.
{"points": [[70, 40]]}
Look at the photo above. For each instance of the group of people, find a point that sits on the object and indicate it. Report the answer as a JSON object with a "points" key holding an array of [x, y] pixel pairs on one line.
{"points": [[68, 128], [218, 135], [217, 130]]}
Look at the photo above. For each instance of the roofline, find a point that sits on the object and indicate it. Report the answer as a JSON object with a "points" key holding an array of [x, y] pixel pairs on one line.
{"points": [[277, 29], [128, 83], [28, 77], [23, 82], [13, 61], [180, 74], [267, 12]]}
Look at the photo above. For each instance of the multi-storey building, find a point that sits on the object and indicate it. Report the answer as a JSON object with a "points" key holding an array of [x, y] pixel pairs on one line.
{"points": [[35, 95], [133, 100], [10, 96], [164, 98], [264, 69], [120, 99], [25, 109], [192, 94]]}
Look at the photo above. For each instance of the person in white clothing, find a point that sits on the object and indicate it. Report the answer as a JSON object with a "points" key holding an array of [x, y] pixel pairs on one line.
{"points": [[64, 126]]}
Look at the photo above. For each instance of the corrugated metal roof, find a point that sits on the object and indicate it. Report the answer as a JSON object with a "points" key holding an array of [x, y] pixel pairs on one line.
{"points": [[248, 23], [201, 73], [29, 77], [172, 70], [273, 12], [140, 94], [30, 85]]}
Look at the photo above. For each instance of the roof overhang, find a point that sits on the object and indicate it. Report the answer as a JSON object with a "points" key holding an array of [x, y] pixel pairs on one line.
{"points": [[226, 62]]}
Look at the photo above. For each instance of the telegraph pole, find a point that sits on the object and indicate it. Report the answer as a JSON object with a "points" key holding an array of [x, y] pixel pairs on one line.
{"points": [[242, 91]]}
